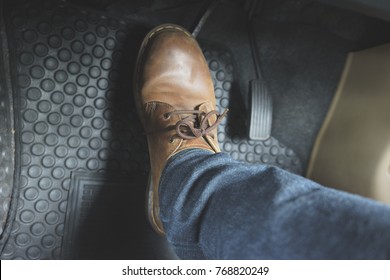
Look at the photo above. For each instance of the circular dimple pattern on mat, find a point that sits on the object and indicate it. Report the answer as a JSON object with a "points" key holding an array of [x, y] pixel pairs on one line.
{"points": [[66, 76], [232, 134], [77, 114]]}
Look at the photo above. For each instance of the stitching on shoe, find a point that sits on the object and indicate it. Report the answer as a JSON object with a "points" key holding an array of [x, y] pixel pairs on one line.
{"points": [[168, 27]]}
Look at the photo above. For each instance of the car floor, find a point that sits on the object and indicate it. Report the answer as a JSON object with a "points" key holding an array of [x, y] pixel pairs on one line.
{"points": [[302, 46]]}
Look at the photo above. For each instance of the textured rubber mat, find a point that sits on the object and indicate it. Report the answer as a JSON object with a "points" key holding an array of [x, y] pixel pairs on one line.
{"points": [[73, 90], [107, 205], [82, 155]]}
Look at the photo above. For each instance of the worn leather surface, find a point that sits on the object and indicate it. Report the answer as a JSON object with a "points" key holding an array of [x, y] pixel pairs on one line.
{"points": [[171, 74]]}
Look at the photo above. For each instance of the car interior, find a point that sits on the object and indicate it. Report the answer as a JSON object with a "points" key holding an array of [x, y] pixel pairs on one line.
{"points": [[306, 82]]}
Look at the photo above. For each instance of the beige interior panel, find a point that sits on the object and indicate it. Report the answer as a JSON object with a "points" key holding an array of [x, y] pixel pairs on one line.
{"points": [[352, 150]]}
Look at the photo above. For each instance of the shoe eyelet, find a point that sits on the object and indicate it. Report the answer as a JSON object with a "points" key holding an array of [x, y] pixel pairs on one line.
{"points": [[167, 116]]}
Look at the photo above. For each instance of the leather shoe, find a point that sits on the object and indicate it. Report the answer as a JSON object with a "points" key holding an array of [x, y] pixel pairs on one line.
{"points": [[175, 100]]}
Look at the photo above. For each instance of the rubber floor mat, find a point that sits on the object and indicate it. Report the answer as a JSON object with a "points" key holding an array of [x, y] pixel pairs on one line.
{"points": [[110, 206], [75, 114], [79, 144]]}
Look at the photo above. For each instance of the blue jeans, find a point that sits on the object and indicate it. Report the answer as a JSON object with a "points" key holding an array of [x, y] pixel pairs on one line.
{"points": [[214, 207]]}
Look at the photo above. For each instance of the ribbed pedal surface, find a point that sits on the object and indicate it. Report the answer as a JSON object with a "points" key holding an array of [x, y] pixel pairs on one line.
{"points": [[260, 121]]}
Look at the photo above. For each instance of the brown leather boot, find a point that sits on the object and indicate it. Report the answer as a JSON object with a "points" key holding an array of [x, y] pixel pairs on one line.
{"points": [[175, 99]]}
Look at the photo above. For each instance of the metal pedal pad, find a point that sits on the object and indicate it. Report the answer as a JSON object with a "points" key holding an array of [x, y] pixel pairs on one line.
{"points": [[260, 122]]}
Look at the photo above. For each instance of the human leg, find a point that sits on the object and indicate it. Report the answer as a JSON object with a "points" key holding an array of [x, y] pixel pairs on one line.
{"points": [[215, 207]]}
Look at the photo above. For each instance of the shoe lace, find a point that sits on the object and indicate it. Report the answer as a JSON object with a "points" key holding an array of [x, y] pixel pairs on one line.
{"points": [[188, 129]]}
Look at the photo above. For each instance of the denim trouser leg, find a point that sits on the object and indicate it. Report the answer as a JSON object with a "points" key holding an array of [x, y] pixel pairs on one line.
{"points": [[215, 207]]}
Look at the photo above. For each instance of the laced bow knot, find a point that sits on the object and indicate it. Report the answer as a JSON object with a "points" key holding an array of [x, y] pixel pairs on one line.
{"points": [[186, 128]]}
